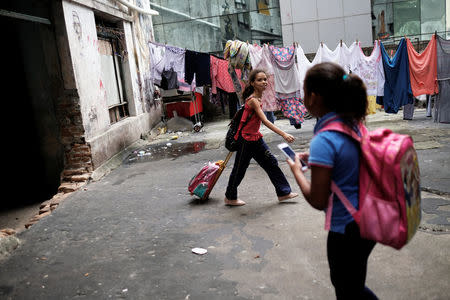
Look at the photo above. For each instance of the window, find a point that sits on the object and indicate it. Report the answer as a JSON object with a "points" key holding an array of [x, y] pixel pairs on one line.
{"points": [[407, 18], [433, 17], [111, 58], [382, 21], [243, 20], [263, 7], [240, 4]]}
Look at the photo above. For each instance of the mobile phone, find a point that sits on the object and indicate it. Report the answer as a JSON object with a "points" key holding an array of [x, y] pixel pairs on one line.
{"points": [[290, 154]]}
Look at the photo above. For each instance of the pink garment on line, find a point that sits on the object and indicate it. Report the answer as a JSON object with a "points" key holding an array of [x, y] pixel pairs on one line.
{"points": [[268, 99], [220, 78], [423, 68]]}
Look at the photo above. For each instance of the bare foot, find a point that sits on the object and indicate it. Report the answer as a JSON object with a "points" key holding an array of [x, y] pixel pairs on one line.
{"points": [[237, 202], [286, 197]]}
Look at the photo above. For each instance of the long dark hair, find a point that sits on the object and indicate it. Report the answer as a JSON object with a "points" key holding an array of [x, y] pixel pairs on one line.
{"points": [[248, 90], [342, 93]]}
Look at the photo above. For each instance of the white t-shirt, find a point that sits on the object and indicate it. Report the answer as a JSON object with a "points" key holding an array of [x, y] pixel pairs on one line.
{"points": [[367, 68]]}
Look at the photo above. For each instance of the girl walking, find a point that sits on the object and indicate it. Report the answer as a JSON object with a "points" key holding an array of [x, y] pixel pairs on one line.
{"points": [[253, 145], [332, 95]]}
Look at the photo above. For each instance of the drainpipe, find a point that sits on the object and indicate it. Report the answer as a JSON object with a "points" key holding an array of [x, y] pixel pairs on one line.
{"points": [[150, 12], [184, 15]]}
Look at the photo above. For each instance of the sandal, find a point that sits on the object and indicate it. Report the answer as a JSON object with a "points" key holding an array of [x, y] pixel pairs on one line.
{"points": [[288, 196], [237, 202]]}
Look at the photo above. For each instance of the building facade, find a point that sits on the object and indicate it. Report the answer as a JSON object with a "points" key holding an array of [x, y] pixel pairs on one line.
{"points": [[79, 80], [206, 25], [310, 22], [417, 19]]}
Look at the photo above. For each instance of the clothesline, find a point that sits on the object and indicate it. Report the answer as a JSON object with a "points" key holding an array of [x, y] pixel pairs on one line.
{"points": [[287, 66]]}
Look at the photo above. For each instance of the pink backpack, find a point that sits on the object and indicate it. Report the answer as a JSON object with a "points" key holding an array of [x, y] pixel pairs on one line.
{"points": [[389, 186]]}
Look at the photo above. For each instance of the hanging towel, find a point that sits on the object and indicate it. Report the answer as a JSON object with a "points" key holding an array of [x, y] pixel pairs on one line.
{"points": [[198, 64], [423, 68], [397, 87], [442, 101], [285, 72], [237, 53]]}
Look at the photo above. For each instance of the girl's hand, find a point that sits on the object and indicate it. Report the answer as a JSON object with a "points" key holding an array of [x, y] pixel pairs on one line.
{"points": [[288, 138], [296, 165], [304, 156]]}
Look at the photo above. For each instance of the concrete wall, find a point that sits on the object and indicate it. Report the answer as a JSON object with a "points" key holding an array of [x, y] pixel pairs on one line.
{"points": [[107, 139], [310, 22]]}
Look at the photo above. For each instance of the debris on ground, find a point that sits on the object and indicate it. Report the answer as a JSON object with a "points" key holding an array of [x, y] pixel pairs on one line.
{"points": [[199, 251]]}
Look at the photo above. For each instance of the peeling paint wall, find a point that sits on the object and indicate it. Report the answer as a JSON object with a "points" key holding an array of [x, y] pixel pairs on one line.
{"points": [[84, 49], [104, 138]]}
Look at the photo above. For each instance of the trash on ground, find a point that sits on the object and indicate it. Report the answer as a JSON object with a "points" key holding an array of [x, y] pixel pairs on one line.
{"points": [[199, 251]]}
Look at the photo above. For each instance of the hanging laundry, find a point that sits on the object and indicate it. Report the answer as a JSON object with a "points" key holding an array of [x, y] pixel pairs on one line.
{"points": [[198, 64], [237, 53], [442, 100], [292, 107], [372, 105], [325, 54], [175, 59], [285, 71], [348, 56], [220, 77], [341, 55], [169, 79], [303, 65], [366, 68], [423, 68], [397, 87], [260, 59], [157, 61]]}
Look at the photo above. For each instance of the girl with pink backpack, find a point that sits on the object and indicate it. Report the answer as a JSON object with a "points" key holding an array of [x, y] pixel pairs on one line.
{"points": [[368, 181], [332, 95]]}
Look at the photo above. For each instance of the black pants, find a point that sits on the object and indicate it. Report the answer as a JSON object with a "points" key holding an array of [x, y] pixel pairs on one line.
{"points": [[260, 152], [347, 257], [199, 64]]}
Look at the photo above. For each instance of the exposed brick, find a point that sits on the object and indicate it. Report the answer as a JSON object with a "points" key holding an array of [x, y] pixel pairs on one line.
{"points": [[78, 171], [8, 231], [80, 178]]}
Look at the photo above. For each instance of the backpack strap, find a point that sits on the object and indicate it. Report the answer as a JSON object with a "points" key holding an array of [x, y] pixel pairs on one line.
{"points": [[249, 116], [339, 126], [245, 122], [335, 124], [347, 204]]}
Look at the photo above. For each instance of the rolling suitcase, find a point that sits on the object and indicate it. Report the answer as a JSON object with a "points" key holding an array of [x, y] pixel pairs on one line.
{"points": [[202, 184]]}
